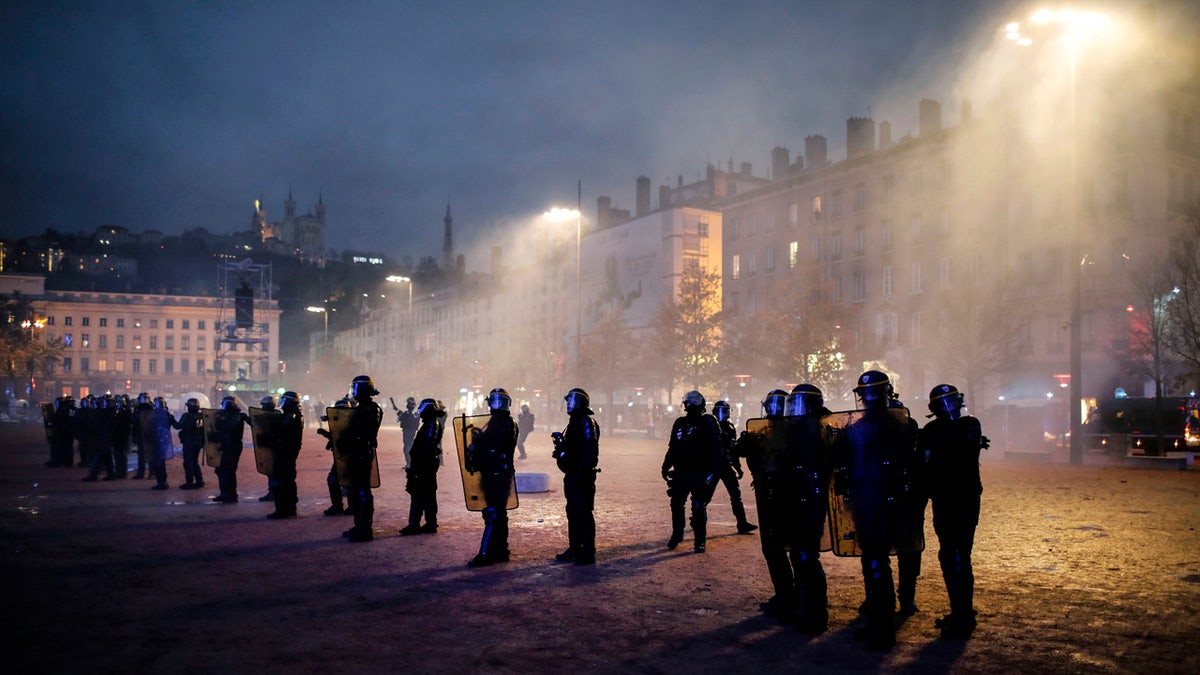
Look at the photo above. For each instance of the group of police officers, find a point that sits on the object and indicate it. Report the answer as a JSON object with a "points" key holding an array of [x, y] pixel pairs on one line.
{"points": [[871, 472]]}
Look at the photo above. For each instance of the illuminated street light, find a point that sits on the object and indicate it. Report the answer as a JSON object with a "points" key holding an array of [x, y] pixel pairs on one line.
{"points": [[324, 311], [396, 279], [560, 215], [1070, 25]]}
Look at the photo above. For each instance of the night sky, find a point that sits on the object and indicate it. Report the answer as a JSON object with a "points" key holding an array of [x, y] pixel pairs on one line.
{"points": [[173, 115]]}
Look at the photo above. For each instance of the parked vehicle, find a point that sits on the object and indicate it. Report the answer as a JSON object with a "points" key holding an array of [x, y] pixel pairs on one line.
{"points": [[1138, 426]]}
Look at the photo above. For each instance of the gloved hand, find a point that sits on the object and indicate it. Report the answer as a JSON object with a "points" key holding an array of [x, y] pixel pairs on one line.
{"points": [[985, 442]]}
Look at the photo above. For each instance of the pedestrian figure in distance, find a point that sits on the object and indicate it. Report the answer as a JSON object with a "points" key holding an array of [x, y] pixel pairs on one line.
{"points": [[426, 458], [408, 421], [525, 423], [694, 456]]}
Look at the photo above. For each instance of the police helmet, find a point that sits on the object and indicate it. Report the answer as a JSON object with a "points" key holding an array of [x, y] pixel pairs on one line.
{"points": [[289, 400], [267, 402], [160, 403], [946, 399], [498, 399], [775, 402], [143, 397], [193, 404], [230, 403], [430, 408], [692, 400], [577, 401], [87, 402], [874, 386], [721, 410], [68, 402], [805, 399], [362, 386]]}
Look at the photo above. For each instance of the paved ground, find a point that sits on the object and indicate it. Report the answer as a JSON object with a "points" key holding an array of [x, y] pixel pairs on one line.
{"points": [[1079, 569]]}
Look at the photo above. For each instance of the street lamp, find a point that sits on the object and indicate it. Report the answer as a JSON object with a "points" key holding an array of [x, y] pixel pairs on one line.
{"points": [[324, 311], [1070, 25], [396, 279], [559, 215]]}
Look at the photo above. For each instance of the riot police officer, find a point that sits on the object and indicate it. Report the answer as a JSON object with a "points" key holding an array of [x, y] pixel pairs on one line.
{"points": [[122, 426], [694, 456], [577, 452], [490, 452], [872, 451], [287, 450], [62, 423], [230, 428], [953, 441], [191, 436], [358, 444], [731, 469], [408, 422], [335, 487], [140, 409], [525, 423], [426, 458], [808, 450], [95, 425]]}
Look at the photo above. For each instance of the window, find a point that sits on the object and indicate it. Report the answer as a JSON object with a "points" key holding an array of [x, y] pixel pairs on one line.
{"points": [[183, 366], [200, 325], [103, 322], [944, 277], [199, 366], [770, 225], [735, 267], [860, 285], [152, 366], [186, 324], [860, 197], [735, 226], [120, 342], [814, 246], [915, 337], [85, 340], [185, 342], [171, 323], [137, 365], [886, 235], [101, 365], [917, 287], [835, 246], [887, 280], [770, 259], [67, 321], [120, 323], [885, 328], [793, 254], [103, 342], [49, 321], [837, 203], [816, 208], [889, 187], [67, 339], [87, 321], [154, 323], [137, 323], [153, 342], [793, 214], [66, 364], [200, 342], [170, 342], [83, 364], [169, 365], [119, 365], [750, 263], [860, 241]]}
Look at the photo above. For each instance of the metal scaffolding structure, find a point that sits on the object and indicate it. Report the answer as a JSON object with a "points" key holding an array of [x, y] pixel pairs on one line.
{"points": [[242, 342]]}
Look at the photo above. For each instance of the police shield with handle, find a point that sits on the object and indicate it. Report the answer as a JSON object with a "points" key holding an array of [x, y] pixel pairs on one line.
{"points": [[288, 440], [694, 455], [952, 442], [490, 452], [356, 443], [332, 481]]}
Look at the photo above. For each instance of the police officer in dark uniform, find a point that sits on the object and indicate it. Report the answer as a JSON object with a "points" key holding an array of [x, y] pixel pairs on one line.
{"points": [[358, 444], [872, 453], [191, 436], [96, 433], [491, 454], [577, 452], [953, 441], [268, 403], [408, 421], [62, 420], [525, 422], [694, 456], [230, 427], [731, 469], [426, 458], [335, 487], [911, 524], [143, 404], [122, 426], [808, 450], [287, 451]]}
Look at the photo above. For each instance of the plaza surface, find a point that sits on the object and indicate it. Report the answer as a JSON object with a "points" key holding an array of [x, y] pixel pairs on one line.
{"points": [[1092, 568]]}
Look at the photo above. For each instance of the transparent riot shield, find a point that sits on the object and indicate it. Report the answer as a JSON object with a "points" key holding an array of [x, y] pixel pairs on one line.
{"points": [[164, 449], [338, 419], [464, 429], [264, 431], [212, 439], [841, 519], [761, 425]]}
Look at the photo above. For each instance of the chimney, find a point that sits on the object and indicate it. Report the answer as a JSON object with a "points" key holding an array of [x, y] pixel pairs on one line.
{"points": [[814, 150], [967, 112], [885, 134], [930, 114], [780, 163], [745, 169], [717, 186], [860, 136], [664, 197], [642, 205], [603, 212]]}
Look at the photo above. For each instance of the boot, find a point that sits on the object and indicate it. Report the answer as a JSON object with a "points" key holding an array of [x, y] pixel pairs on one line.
{"points": [[483, 559], [811, 594], [364, 516], [676, 527], [699, 527], [739, 511], [909, 568]]}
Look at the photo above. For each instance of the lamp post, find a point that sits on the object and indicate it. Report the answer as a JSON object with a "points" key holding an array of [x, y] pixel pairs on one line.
{"points": [[1070, 25], [324, 311], [396, 279], [559, 215]]}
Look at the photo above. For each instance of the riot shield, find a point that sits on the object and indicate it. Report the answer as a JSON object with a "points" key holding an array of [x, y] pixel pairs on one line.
{"points": [[464, 428], [760, 425], [264, 431], [154, 426], [212, 439], [47, 422], [841, 519], [338, 419]]}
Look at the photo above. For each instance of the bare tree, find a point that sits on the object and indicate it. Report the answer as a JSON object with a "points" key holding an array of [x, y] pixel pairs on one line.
{"points": [[1183, 337], [687, 330], [980, 331]]}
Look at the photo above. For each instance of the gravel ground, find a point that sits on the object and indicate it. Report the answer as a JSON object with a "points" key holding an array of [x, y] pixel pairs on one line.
{"points": [[1088, 568]]}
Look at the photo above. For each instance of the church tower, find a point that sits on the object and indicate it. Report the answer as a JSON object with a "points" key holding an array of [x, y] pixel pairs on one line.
{"points": [[289, 207], [447, 242]]}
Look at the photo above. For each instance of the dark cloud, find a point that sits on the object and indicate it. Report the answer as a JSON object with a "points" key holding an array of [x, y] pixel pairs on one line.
{"points": [[177, 115]]}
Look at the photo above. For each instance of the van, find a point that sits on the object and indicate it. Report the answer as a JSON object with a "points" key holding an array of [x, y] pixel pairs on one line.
{"points": [[1123, 426]]}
